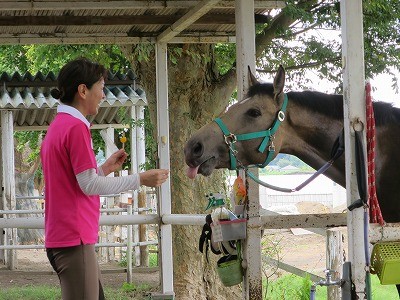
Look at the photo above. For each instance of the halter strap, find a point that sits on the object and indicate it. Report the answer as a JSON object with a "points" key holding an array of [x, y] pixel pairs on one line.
{"points": [[268, 135]]}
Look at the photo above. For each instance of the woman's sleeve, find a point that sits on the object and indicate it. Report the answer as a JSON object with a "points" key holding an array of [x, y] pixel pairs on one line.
{"points": [[93, 184]]}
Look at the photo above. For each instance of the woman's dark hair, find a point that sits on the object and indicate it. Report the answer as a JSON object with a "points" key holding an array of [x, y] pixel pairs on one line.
{"points": [[74, 73]]}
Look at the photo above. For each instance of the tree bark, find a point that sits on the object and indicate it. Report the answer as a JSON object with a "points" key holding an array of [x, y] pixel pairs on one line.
{"points": [[197, 94], [24, 186]]}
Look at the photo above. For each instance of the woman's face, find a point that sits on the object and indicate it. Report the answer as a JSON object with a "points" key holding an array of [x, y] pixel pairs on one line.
{"points": [[94, 97]]}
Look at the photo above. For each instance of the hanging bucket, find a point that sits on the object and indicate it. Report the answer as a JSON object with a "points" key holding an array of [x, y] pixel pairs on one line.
{"points": [[385, 261], [229, 230], [229, 268]]}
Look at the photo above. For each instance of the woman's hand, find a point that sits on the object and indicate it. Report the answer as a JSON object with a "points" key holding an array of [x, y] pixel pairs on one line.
{"points": [[154, 177], [114, 162]]}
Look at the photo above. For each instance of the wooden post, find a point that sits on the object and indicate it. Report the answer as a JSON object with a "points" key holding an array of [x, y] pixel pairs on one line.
{"points": [[144, 251], [334, 259]]}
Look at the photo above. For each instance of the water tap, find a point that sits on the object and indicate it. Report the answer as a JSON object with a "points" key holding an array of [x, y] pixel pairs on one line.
{"points": [[328, 279]]}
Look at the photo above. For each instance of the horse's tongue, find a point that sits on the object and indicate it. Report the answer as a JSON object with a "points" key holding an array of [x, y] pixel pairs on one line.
{"points": [[192, 172]]}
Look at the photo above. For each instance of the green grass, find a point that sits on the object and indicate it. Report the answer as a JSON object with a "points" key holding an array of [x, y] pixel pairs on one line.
{"points": [[292, 287], [31, 293], [127, 291], [287, 287], [153, 260]]}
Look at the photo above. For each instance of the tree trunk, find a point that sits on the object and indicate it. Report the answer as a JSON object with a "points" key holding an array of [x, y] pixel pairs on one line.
{"points": [[24, 186], [196, 96]]}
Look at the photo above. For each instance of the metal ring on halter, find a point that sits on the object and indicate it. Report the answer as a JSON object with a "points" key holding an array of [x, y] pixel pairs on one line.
{"points": [[281, 116], [357, 124], [230, 139]]}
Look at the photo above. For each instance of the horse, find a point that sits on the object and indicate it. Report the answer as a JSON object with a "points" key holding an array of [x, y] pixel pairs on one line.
{"points": [[305, 124]]}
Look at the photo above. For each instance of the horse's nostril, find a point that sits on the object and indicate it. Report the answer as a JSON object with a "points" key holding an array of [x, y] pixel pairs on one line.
{"points": [[198, 149]]}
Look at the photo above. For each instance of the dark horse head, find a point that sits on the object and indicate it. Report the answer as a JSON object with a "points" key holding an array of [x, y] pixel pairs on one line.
{"points": [[309, 124]]}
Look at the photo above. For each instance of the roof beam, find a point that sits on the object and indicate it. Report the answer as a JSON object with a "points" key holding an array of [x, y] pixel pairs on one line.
{"points": [[177, 23], [121, 4], [188, 19], [70, 39]]}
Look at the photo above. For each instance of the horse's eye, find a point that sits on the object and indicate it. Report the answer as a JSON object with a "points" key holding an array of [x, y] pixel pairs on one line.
{"points": [[253, 112]]}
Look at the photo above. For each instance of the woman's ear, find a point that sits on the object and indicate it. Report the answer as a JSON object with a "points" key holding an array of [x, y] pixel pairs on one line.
{"points": [[82, 90]]}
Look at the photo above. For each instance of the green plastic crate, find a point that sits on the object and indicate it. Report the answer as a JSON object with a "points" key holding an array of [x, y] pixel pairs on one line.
{"points": [[385, 261]]}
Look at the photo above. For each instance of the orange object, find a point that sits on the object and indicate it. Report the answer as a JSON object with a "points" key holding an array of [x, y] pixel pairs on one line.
{"points": [[239, 190]]}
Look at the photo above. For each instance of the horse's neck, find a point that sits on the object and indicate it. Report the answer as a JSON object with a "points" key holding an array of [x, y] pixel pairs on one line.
{"points": [[310, 137]]}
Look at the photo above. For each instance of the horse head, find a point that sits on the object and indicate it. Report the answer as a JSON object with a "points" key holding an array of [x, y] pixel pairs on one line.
{"points": [[244, 135]]}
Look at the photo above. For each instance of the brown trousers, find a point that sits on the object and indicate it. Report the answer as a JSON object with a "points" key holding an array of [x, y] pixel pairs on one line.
{"points": [[78, 271]]}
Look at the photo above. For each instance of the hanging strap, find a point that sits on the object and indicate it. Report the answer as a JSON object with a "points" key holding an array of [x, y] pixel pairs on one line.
{"points": [[374, 208], [337, 151]]}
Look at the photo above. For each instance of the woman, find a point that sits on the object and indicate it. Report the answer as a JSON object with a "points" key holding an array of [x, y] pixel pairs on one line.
{"points": [[73, 182]]}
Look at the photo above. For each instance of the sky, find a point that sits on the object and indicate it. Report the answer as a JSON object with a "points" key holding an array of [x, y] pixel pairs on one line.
{"points": [[384, 90]]}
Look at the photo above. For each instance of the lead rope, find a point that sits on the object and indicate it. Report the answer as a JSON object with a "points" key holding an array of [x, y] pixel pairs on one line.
{"points": [[375, 211]]}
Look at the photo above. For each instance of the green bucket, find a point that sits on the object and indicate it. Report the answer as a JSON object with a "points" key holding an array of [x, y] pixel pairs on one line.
{"points": [[385, 261], [230, 271]]}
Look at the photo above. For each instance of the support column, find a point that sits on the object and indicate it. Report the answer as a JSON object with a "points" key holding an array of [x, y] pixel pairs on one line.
{"points": [[134, 169], [2, 207], [9, 201], [334, 259], [245, 58], [107, 236], [142, 196], [354, 111], [164, 192]]}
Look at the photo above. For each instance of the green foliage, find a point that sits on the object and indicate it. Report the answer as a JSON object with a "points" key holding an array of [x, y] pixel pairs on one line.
{"points": [[44, 292], [289, 287], [29, 139], [292, 287], [153, 259], [31, 293], [143, 52], [312, 41], [50, 58], [130, 287], [225, 57]]}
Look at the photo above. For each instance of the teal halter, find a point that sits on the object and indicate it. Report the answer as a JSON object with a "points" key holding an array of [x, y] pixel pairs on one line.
{"points": [[268, 137]]}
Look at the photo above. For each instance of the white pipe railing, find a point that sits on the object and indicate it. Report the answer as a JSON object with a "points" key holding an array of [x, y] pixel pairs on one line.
{"points": [[41, 211], [21, 247]]}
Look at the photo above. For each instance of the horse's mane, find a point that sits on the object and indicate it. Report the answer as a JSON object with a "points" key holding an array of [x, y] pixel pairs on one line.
{"points": [[330, 105]]}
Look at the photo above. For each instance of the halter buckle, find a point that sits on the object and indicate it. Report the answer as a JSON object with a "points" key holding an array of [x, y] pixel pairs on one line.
{"points": [[230, 139], [271, 146], [281, 116]]}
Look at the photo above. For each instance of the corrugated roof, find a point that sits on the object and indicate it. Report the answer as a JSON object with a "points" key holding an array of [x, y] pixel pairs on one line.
{"points": [[28, 96], [120, 21]]}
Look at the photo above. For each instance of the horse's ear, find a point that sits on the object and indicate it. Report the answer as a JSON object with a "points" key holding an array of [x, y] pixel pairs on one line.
{"points": [[252, 79], [279, 81]]}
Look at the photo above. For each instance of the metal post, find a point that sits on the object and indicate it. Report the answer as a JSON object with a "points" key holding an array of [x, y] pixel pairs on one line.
{"points": [[134, 169], [165, 231], [354, 113], [9, 201], [245, 58], [140, 160], [129, 248]]}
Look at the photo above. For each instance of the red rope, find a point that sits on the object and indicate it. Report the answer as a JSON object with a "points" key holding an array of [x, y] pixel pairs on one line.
{"points": [[374, 209]]}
